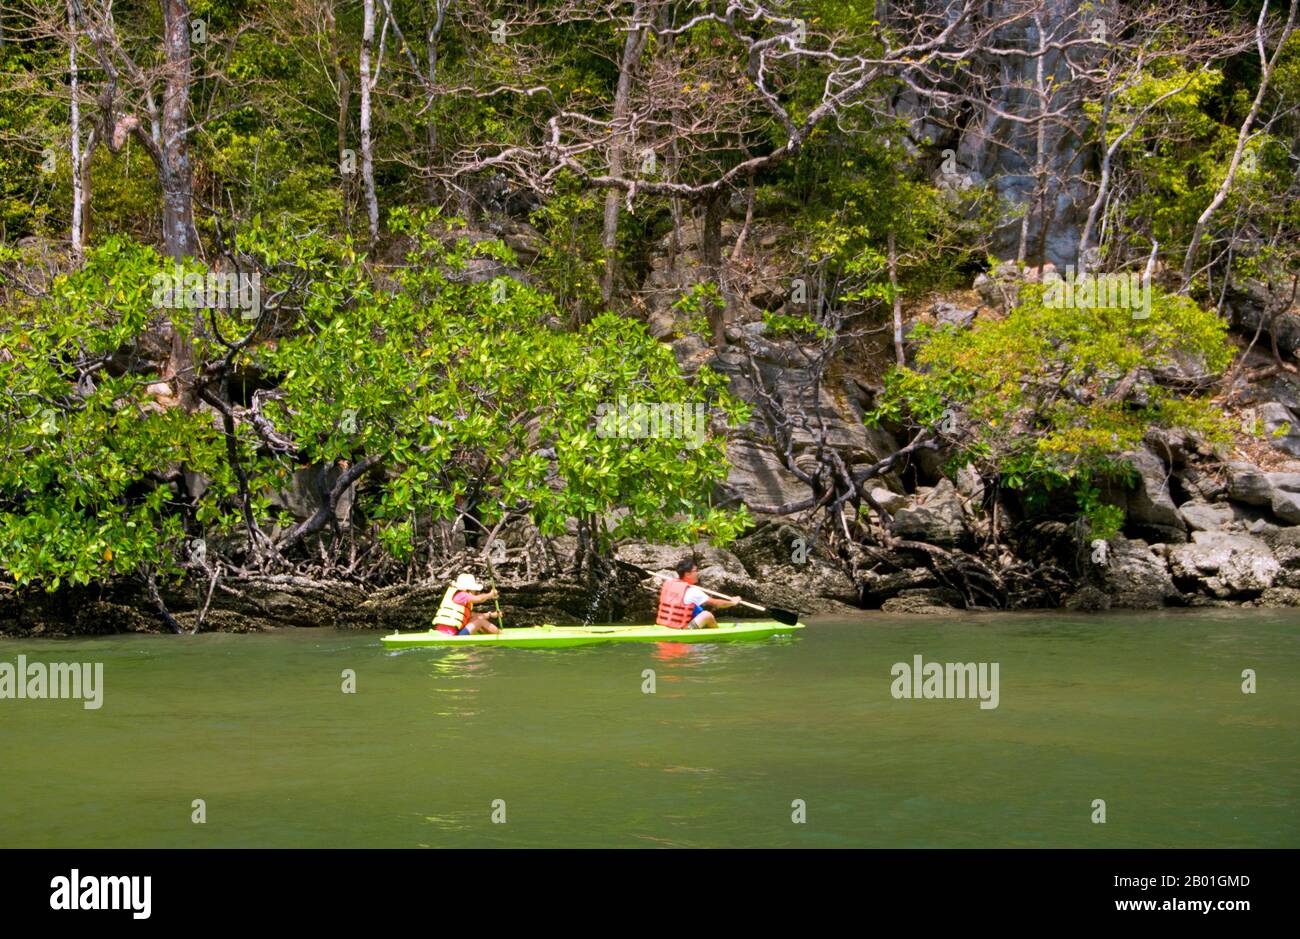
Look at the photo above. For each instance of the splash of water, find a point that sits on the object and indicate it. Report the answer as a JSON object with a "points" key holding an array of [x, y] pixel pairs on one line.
{"points": [[601, 591]]}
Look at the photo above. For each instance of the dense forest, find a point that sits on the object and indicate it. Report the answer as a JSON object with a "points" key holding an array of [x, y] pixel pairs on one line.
{"points": [[922, 305]]}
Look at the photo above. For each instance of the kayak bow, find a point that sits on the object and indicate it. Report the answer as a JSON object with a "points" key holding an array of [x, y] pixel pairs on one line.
{"points": [[552, 637]]}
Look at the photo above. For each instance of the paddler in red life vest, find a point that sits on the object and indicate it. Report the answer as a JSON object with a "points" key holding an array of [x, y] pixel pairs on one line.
{"points": [[456, 616], [682, 605]]}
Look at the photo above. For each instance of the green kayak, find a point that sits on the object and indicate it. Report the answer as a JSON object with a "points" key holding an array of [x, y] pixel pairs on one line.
{"points": [[554, 637]]}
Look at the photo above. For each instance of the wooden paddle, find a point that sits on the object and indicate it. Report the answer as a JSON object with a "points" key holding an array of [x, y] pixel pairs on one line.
{"points": [[492, 579], [784, 617]]}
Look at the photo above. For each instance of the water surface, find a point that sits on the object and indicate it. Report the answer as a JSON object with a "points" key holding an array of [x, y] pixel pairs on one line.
{"points": [[1143, 710]]}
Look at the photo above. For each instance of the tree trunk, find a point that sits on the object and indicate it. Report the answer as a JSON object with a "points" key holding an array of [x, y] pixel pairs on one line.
{"points": [[77, 205], [175, 177], [1267, 66], [711, 255], [431, 34], [898, 300], [367, 153], [344, 83], [618, 148]]}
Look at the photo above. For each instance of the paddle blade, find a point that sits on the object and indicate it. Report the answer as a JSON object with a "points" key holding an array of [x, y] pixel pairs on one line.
{"points": [[784, 617]]}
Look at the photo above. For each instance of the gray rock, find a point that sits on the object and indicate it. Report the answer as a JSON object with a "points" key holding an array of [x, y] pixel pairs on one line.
{"points": [[927, 601], [999, 290], [933, 516], [1088, 599], [1279, 597], [791, 570], [969, 483], [949, 314], [1134, 577], [1285, 543], [1286, 506], [713, 562], [1260, 527], [1252, 309], [1148, 505], [1243, 573], [1288, 555], [875, 588], [1207, 486], [757, 475], [307, 492], [1281, 428], [1287, 482], [1225, 565], [1207, 516], [1278, 492], [887, 499], [1248, 483]]}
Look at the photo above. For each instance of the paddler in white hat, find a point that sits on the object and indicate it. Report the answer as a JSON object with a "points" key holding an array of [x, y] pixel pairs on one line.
{"points": [[456, 616]]}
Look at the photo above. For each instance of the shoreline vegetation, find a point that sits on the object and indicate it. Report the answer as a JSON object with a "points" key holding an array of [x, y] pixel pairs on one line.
{"points": [[862, 310]]}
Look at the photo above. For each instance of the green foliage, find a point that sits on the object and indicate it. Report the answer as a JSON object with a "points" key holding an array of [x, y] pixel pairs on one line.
{"points": [[1179, 153], [571, 259], [263, 173], [1055, 396], [698, 305], [462, 388], [462, 394], [84, 494], [867, 195], [1104, 521], [780, 326]]}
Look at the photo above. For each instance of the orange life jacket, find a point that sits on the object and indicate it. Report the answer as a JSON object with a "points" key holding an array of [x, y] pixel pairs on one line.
{"points": [[451, 616], [674, 612]]}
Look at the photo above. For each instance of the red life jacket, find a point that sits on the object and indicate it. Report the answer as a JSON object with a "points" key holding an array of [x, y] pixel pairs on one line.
{"points": [[674, 612]]}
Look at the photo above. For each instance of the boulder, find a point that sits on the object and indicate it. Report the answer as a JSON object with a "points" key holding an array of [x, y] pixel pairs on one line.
{"points": [[1224, 565], [927, 601], [1088, 599], [1204, 485], [949, 314], [1279, 597], [1243, 574], [1286, 506], [1133, 576], [713, 562], [1278, 492], [1148, 505], [970, 484], [887, 499], [1207, 516], [791, 570], [1247, 483], [933, 516], [1281, 429], [758, 476], [308, 489], [875, 588]]}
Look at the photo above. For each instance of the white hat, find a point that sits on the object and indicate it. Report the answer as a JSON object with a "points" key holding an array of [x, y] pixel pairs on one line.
{"points": [[467, 582]]}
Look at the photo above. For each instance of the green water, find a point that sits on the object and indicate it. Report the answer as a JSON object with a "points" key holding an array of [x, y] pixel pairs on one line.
{"points": [[1142, 710]]}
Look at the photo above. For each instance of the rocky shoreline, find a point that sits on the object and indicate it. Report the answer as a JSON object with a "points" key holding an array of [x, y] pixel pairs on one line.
{"points": [[1232, 556]]}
